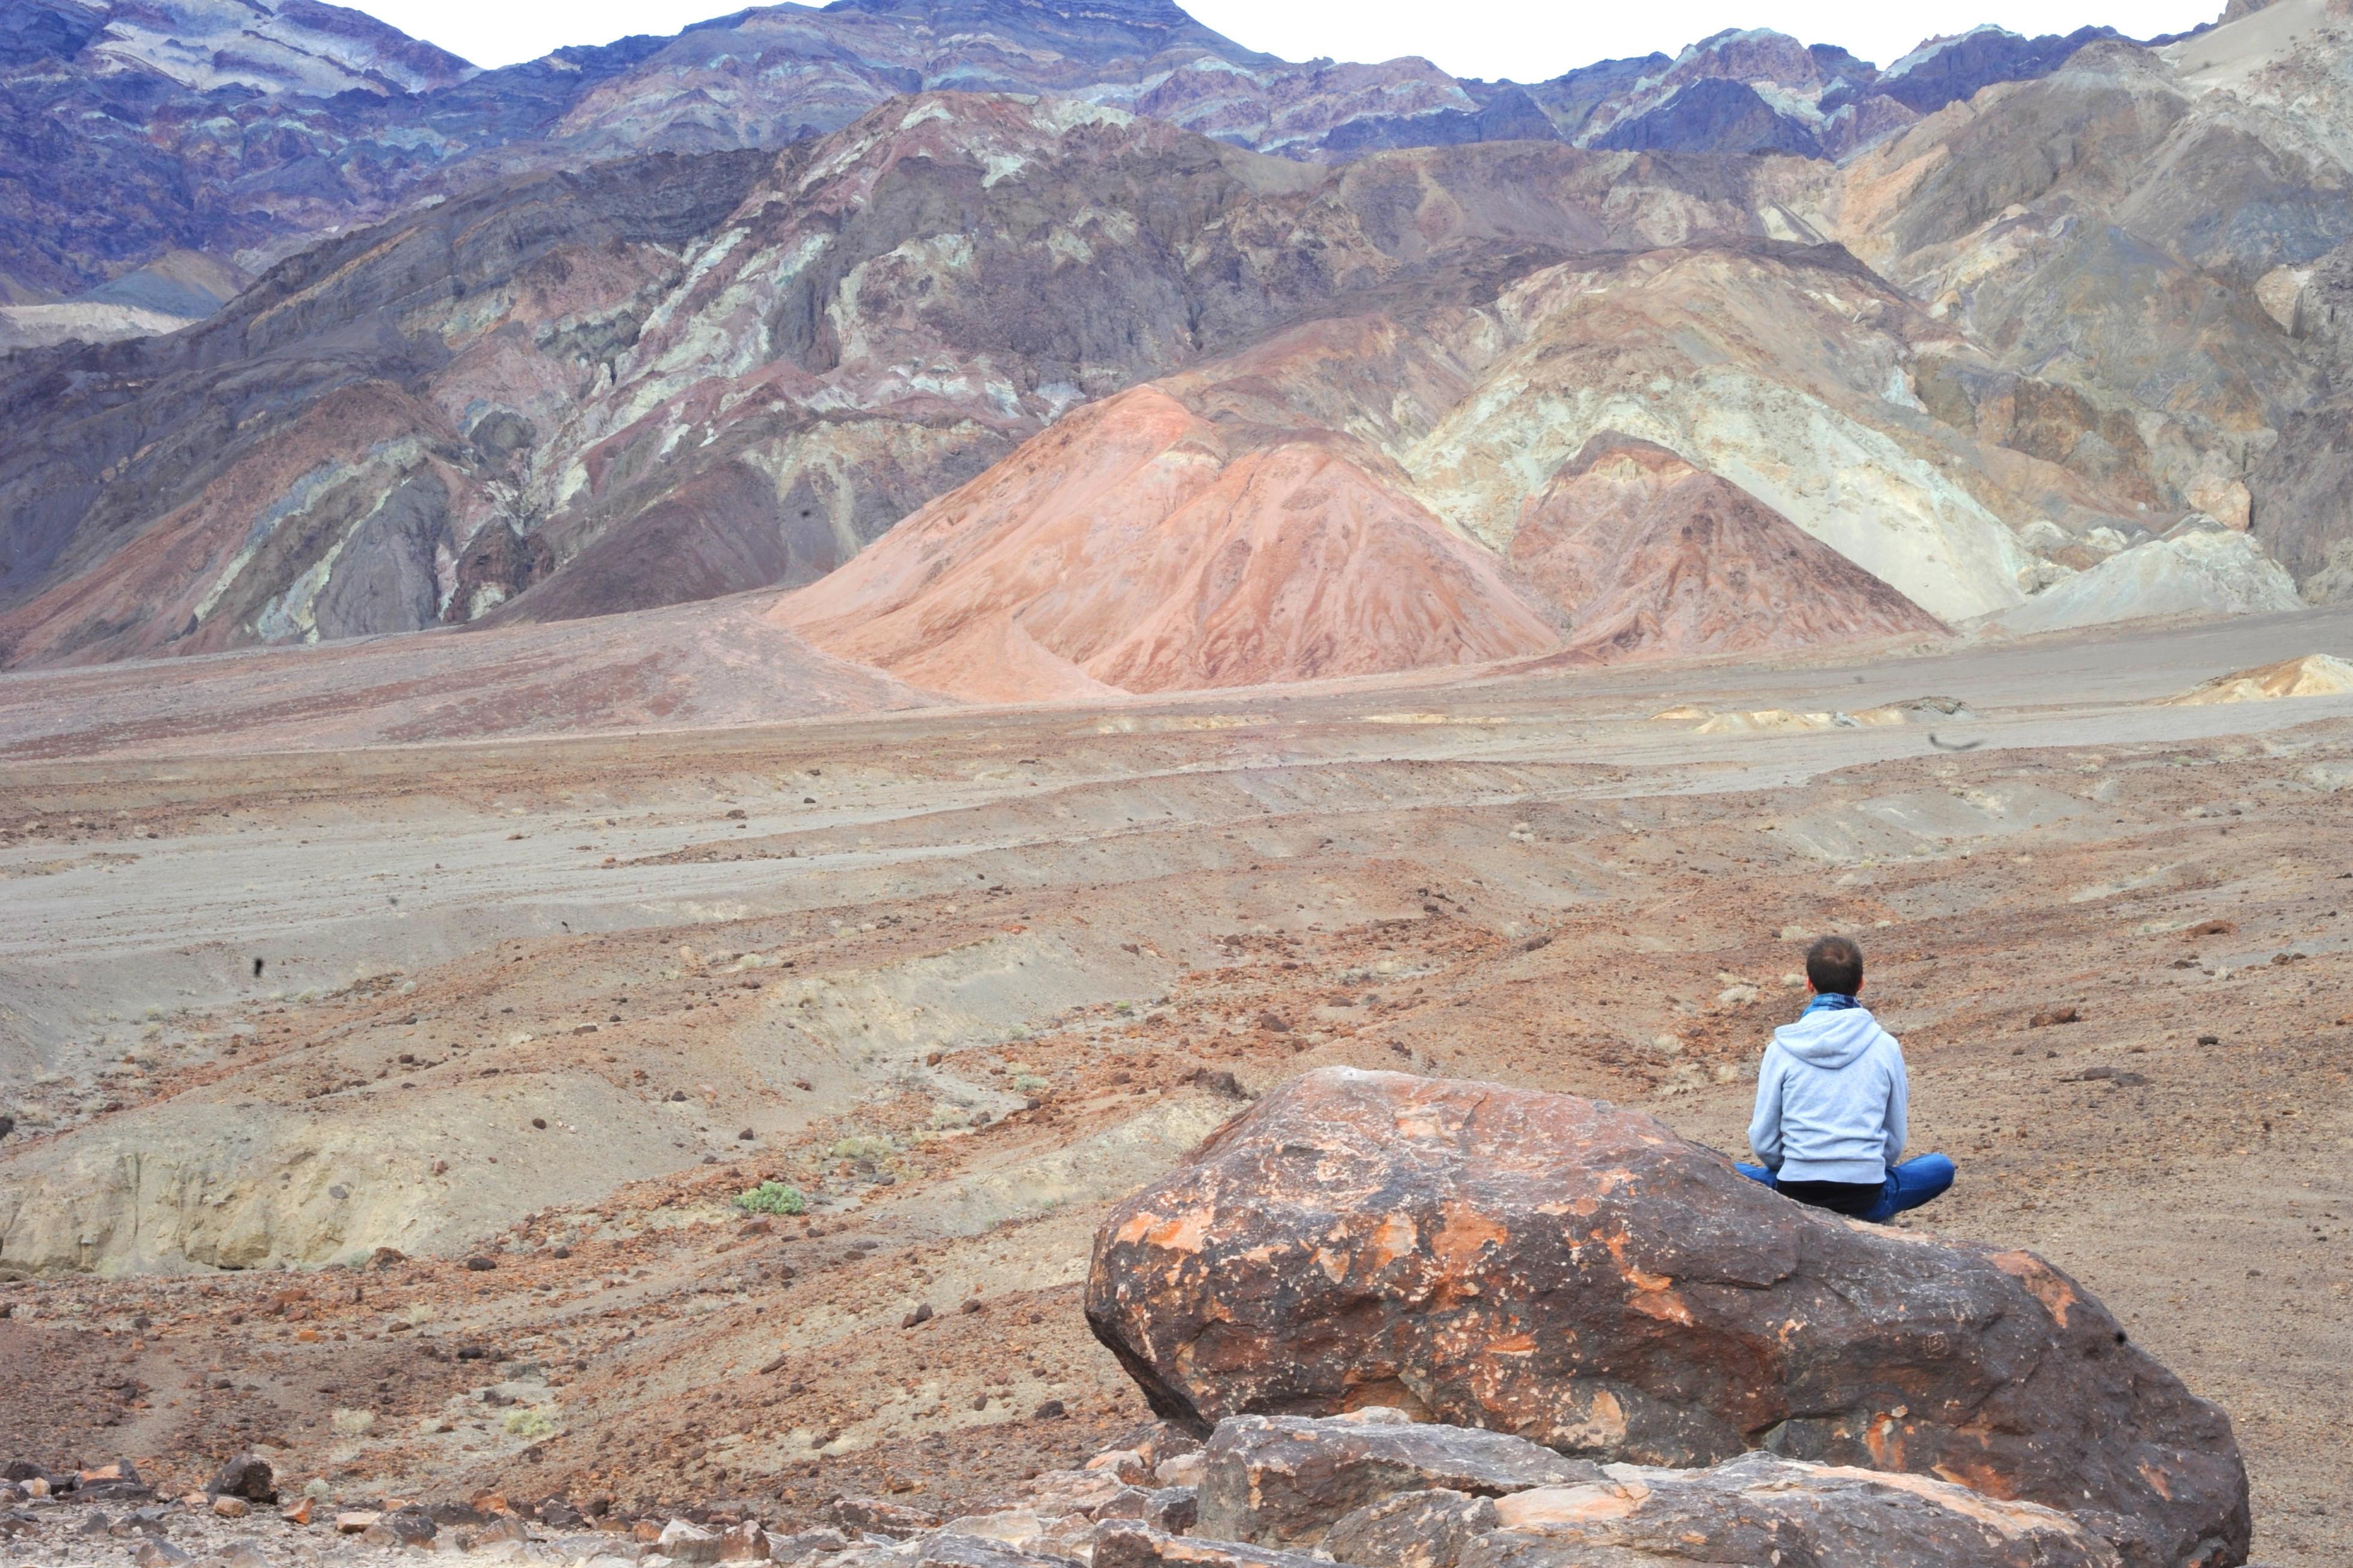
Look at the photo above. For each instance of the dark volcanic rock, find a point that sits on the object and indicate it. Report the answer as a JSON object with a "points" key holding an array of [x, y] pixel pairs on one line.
{"points": [[1579, 1275], [1413, 1530], [248, 1476], [1712, 115], [1761, 1509], [1935, 76], [1282, 1480]]}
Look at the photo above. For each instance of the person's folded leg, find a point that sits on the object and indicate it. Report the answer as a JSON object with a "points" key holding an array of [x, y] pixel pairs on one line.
{"points": [[1757, 1173], [1916, 1181]]}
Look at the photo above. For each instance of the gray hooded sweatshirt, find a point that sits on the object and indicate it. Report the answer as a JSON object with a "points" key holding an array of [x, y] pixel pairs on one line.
{"points": [[1831, 1099]]}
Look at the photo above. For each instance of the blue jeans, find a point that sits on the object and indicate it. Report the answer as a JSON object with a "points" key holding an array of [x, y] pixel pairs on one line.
{"points": [[1916, 1181]]}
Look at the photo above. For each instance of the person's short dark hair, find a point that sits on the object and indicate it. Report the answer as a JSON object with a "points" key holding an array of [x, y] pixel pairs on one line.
{"points": [[1834, 965]]}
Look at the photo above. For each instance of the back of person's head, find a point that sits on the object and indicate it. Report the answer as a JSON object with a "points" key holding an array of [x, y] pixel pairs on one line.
{"points": [[1834, 965]]}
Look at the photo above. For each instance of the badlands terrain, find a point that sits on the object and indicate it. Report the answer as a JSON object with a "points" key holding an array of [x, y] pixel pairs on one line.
{"points": [[1055, 350], [381, 1107]]}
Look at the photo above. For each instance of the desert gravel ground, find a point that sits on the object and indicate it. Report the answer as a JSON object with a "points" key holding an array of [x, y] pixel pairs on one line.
{"points": [[963, 976]]}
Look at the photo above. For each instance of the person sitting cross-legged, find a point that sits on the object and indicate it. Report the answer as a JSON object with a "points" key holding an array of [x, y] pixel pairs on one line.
{"points": [[1830, 1102]]}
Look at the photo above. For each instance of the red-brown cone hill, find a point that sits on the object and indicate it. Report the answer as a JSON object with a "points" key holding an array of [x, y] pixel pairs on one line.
{"points": [[1136, 545], [1578, 1275], [1646, 551]]}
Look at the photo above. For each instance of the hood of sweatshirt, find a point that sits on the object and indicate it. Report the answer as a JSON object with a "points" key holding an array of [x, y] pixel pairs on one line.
{"points": [[1829, 1038]]}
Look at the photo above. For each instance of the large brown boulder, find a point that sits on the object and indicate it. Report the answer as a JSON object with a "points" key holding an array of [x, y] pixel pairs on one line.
{"points": [[1580, 1275]]}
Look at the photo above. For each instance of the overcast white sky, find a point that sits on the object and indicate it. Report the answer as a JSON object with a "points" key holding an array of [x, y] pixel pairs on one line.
{"points": [[1526, 40]]}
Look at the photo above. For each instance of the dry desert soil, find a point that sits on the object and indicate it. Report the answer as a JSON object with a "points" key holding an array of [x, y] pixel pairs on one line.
{"points": [[963, 976]]}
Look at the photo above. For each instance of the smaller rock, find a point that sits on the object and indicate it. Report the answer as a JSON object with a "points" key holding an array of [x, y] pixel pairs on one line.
{"points": [[1059, 1493], [230, 1507], [1811, 1513], [410, 1526], [683, 1543], [557, 1513], [1283, 1480], [1125, 1463], [154, 1552], [385, 1257], [1052, 1410], [356, 1521], [495, 1532], [874, 1516], [300, 1513], [1121, 1544], [1180, 1470], [480, 1265], [744, 1543], [1221, 1083], [1413, 1530], [2049, 1016], [248, 1476], [245, 1554], [949, 1550], [922, 1314], [806, 1544], [1171, 1508]]}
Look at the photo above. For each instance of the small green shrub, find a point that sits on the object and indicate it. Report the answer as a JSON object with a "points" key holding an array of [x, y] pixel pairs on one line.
{"points": [[772, 1197], [864, 1147], [529, 1424], [1028, 1083]]}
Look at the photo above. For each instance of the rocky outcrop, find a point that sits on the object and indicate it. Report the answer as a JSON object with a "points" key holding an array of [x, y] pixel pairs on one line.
{"points": [[2195, 571], [2314, 675], [1578, 1275]]}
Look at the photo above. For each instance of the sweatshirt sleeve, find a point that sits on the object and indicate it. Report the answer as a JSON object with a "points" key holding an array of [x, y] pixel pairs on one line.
{"points": [[1899, 1102], [1765, 1126]]}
